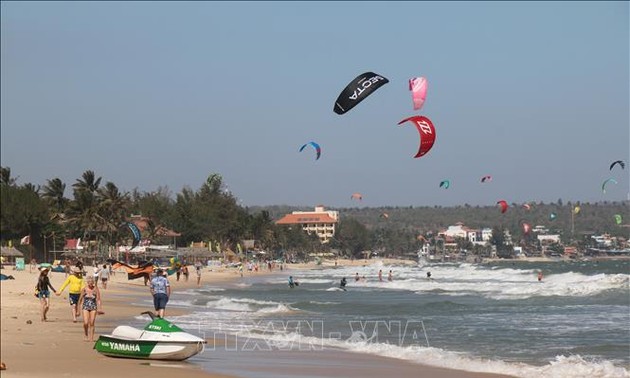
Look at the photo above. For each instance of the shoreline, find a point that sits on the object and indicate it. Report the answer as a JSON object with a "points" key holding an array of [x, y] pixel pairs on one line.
{"points": [[56, 348]]}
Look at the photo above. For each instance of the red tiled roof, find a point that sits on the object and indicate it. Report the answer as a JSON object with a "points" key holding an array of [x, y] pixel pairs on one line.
{"points": [[143, 224], [306, 218]]}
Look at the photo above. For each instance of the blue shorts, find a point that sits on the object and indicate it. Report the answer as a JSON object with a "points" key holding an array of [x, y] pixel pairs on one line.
{"points": [[73, 298], [159, 301], [43, 294]]}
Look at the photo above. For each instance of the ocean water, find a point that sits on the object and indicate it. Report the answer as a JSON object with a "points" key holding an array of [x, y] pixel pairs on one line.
{"points": [[494, 318]]}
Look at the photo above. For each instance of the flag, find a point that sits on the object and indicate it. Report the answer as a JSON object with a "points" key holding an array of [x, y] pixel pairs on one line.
{"points": [[25, 240]]}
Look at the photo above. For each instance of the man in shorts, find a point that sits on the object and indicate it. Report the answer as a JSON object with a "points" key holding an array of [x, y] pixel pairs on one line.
{"points": [[161, 291], [74, 291]]}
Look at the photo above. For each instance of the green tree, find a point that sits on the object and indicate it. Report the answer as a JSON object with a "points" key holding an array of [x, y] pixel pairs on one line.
{"points": [[351, 237]]}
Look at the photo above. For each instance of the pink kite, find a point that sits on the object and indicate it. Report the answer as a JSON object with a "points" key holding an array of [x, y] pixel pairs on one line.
{"points": [[418, 88]]}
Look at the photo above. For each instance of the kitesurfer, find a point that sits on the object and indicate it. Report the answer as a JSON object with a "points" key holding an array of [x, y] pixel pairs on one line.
{"points": [[343, 283], [291, 283], [540, 276], [429, 275], [356, 277]]}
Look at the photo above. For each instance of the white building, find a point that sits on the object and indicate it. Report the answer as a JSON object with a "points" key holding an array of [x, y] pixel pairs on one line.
{"points": [[548, 238], [486, 234]]}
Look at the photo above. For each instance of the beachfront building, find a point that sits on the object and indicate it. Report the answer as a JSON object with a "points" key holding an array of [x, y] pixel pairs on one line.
{"points": [[486, 234], [548, 239], [603, 240], [322, 222], [460, 231], [477, 237]]}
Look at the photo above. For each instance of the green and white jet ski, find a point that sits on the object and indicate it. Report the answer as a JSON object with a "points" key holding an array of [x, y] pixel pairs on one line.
{"points": [[159, 340]]}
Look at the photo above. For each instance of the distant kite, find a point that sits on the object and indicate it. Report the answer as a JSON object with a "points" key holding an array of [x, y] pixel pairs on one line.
{"points": [[552, 216], [606, 183], [618, 218], [357, 196], [620, 162], [358, 90], [486, 178], [527, 206], [504, 205], [318, 149], [445, 184]]}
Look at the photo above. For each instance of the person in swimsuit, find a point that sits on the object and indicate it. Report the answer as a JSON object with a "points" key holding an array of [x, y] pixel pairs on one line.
{"points": [[90, 302], [43, 284]]}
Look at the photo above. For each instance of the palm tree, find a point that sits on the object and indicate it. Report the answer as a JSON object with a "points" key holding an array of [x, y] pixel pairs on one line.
{"points": [[83, 212], [53, 191], [88, 182], [113, 207], [5, 176]]}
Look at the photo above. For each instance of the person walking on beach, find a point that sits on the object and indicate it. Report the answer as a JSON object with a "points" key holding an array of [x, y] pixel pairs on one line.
{"points": [[74, 291], [390, 277], [540, 276], [43, 284], [356, 277], [198, 267], [96, 274], [380, 275], [186, 273], [104, 276], [90, 303], [161, 291]]}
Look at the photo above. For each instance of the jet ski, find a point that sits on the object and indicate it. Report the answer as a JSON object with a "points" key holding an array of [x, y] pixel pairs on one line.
{"points": [[159, 340]]}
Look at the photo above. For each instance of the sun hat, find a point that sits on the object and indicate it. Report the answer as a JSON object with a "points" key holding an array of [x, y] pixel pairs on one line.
{"points": [[42, 268]]}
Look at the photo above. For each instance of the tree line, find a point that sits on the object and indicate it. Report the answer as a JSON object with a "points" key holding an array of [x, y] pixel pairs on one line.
{"points": [[95, 211]]}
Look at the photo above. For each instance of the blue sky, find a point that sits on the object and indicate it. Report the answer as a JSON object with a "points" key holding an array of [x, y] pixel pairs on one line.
{"points": [[151, 94]]}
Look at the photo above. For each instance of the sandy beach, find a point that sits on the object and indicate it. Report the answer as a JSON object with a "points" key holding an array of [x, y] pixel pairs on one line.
{"points": [[31, 348]]}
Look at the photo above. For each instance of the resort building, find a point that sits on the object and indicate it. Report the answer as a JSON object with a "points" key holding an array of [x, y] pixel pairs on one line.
{"points": [[460, 231], [321, 222]]}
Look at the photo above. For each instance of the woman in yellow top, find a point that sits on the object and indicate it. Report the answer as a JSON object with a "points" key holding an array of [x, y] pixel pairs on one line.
{"points": [[74, 291]]}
